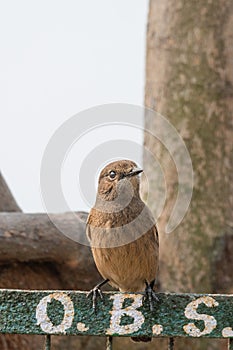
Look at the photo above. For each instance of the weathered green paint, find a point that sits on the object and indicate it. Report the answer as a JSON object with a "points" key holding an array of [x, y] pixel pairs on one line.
{"points": [[70, 312]]}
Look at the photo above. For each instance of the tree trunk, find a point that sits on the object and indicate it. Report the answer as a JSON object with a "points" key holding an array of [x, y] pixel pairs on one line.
{"points": [[7, 201], [189, 80], [33, 238]]}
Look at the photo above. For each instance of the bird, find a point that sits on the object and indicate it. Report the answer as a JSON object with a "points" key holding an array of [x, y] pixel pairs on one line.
{"points": [[123, 235]]}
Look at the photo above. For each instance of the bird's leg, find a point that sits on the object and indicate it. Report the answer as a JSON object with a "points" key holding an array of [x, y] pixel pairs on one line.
{"points": [[95, 292], [150, 294]]}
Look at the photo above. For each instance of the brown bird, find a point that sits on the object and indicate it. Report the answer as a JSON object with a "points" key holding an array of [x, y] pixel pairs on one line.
{"points": [[123, 235]]}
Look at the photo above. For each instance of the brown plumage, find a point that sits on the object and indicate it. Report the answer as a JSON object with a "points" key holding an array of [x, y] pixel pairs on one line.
{"points": [[122, 232]]}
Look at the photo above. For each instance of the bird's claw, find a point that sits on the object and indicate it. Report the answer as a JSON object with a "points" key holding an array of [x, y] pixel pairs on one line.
{"points": [[95, 293], [150, 295]]}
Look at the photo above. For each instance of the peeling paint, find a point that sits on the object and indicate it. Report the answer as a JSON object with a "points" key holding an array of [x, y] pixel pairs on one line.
{"points": [[191, 313], [157, 329], [117, 312], [81, 327], [43, 320], [227, 332], [121, 314]]}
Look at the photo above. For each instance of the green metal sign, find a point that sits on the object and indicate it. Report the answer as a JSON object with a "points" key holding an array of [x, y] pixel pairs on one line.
{"points": [[118, 314]]}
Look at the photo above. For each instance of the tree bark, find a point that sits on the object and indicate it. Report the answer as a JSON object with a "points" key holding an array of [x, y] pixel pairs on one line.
{"points": [[7, 201], [189, 80], [33, 237]]}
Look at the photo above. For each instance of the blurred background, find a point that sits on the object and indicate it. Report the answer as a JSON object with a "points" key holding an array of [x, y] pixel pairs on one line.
{"points": [[57, 59]]}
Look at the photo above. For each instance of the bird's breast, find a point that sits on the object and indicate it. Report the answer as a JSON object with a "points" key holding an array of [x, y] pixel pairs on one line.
{"points": [[128, 266]]}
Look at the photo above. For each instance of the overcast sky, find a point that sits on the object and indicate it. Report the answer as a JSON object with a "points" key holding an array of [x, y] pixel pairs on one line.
{"points": [[59, 58]]}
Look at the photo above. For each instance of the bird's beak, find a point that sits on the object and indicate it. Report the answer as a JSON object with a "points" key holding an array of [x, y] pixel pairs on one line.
{"points": [[135, 172]]}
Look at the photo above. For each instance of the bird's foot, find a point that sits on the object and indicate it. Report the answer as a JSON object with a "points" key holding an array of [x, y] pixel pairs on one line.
{"points": [[95, 293], [150, 295]]}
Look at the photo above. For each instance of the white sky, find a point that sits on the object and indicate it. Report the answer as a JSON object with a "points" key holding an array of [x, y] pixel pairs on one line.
{"points": [[58, 58]]}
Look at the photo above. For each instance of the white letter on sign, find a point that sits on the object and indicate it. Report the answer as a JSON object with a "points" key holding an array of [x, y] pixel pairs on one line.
{"points": [[43, 319], [191, 313], [117, 313]]}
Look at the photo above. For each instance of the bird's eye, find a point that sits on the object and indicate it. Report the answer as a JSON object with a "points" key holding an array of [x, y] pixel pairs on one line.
{"points": [[112, 174]]}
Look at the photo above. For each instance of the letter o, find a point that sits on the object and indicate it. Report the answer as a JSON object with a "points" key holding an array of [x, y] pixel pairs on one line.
{"points": [[43, 319]]}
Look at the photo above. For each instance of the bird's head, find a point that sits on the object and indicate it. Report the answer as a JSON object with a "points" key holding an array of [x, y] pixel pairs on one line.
{"points": [[119, 179]]}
